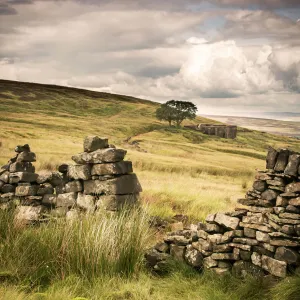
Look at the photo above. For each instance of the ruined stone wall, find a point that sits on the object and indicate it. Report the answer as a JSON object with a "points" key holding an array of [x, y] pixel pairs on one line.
{"points": [[100, 179], [261, 236], [223, 131]]}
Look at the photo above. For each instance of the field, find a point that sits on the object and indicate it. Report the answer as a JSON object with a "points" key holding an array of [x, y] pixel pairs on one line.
{"points": [[181, 172]]}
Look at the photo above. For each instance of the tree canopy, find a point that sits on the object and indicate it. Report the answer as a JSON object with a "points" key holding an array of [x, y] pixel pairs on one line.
{"points": [[176, 111]]}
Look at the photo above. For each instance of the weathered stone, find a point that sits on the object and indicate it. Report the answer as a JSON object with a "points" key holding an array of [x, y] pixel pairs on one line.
{"points": [[210, 218], [297, 229], [288, 229], [242, 269], [127, 184], [225, 256], [290, 216], [278, 210], [222, 248], [28, 214], [215, 238], [153, 257], [63, 168], [226, 221], [262, 251], [73, 186], [256, 259], [255, 209], [26, 157], [262, 176], [24, 148], [292, 209], [212, 228], [22, 177], [59, 212], [245, 255], [54, 178], [162, 247], [245, 241], [118, 168], [177, 239], [295, 201], [263, 228], [72, 215], [227, 236], [21, 167], [79, 172], [7, 188], [86, 202], [202, 234], [273, 266], [269, 195], [293, 165], [282, 160], [281, 201], [238, 233], [293, 187], [202, 245], [274, 225], [208, 262], [116, 202], [221, 271], [93, 143], [248, 232], [240, 246], [66, 200], [49, 199], [279, 220], [177, 252], [262, 237], [4, 177], [176, 226], [44, 189], [26, 190], [254, 218], [260, 185], [284, 243], [193, 257], [268, 247], [288, 255], [100, 156], [271, 158]]}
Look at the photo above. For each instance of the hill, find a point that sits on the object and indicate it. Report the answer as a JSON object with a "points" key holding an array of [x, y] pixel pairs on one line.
{"points": [[181, 170]]}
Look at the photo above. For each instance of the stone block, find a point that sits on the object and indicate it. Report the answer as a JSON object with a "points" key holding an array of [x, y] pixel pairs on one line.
{"points": [[162, 247], [193, 257], [126, 184], [274, 266], [227, 221], [79, 172], [256, 259], [86, 202], [262, 237], [208, 262], [118, 168], [293, 165], [107, 155], [49, 199], [66, 200], [222, 248], [28, 214], [295, 201], [282, 201], [260, 185], [73, 186], [22, 177], [116, 202], [293, 187], [242, 269], [288, 255], [26, 190], [7, 188], [271, 158], [45, 188], [178, 252], [93, 143], [248, 232], [282, 160], [225, 256], [26, 157], [269, 195], [21, 167], [245, 241]]}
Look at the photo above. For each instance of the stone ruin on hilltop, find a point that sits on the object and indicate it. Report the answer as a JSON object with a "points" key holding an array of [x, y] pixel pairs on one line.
{"points": [[220, 130], [262, 236], [100, 179]]}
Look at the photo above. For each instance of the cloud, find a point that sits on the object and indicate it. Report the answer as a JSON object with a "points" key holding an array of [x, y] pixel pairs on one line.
{"points": [[7, 10]]}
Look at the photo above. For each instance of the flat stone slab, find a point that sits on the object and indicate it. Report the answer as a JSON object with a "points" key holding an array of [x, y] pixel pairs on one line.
{"points": [[227, 221], [126, 184], [118, 168], [26, 190], [26, 157], [21, 167], [115, 202], [79, 172], [22, 177], [100, 156], [274, 266], [93, 143], [66, 200]]}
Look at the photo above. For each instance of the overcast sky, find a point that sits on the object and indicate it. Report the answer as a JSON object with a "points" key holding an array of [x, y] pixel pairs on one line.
{"points": [[227, 56]]}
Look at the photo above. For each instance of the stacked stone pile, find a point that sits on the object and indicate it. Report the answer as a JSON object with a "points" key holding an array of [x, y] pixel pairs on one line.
{"points": [[101, 179], [261, 236]]}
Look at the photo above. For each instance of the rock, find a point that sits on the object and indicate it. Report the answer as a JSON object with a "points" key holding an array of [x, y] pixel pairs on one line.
{"points": [[284, 243], [177, 240], [93, 143], [288, 229], [116, 202], [126, 184], [26, 190], [245, 241], [49, 199], [44, 189], [255, 209], [282, 160], [4, 177], [225, 256], [240, 246], [202, 234], [73, 186], [279, 220], [21, 167], [22, 177], [281, 201], [293, 165], [292, 209], [222, 248], [263, 228], [248, 232], [227, 236], [271, 158], [242, 269], [26, 157], [268, 247], [295, 201], [59, 212], [66, 200], [54, 178], [208, 262], [262, 251], [193, 257], [72, 215], [290, 216], [254, 218], [202, 245], [63, 168], [24, 148], [178, 252], [245, 255], [293, 188], [214, 238], [44, 177], [79, 172], [107, 155], [256, 259], [269, 195], [226, 221], [273, 266], [262, 237], [260, 185], [176, 226], [162, 247], [28, 214], [118, 168], [288, 255], [221, 271], [86, 202], [153, 257], [7, 188], [297, 229], [210, 218]]}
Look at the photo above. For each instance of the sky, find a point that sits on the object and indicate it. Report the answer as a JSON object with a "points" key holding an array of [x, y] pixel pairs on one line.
{"points": [[229, 57]]}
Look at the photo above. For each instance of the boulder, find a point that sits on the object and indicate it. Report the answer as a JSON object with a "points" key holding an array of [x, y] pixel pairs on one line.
{"points": [[193, 257], [118, 168], [274, 266], [26, 190], [226, 221], [293, 165], [86, 202], [260, 185], [271, 158], [21, 167], [73, 186], [116, 202], [269, 195], [93, 143], [28, 214], [178, 252], [288, 255], [242, 269], [282, 160], [66, 200], [22, 177], [26, 157], [79, 172]]}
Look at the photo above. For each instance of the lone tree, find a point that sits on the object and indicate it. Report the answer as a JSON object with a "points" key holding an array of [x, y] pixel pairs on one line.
{"points": [[176, 111]]}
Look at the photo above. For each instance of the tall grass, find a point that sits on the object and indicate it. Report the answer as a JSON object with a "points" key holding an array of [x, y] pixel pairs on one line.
{"points": [[104, 244]]}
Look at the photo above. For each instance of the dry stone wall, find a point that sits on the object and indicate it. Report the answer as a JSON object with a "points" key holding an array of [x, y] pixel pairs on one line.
{"points": [[100, 179], [261, 236]]}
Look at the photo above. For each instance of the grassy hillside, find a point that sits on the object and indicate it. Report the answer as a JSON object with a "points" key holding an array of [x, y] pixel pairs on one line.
{"points": [[181, 171]]}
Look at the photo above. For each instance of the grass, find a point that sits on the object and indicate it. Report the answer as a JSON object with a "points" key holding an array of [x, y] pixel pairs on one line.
{"points": [[181, 171]]}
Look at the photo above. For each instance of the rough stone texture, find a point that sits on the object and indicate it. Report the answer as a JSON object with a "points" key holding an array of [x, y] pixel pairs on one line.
{"points": [[269, 195], [193, 256], [93, 143], [126, 184], [49, 199], [21, 167], [100, 156], [22, 177], [282, 160], [228, 222], [271, 158], [118, 168], [288, 255], [260, 185], [66, 200], [26, 190], [26, 157], [116, 202], [79, 172], [73, 186], [273, 266], [293, 165], [86, 202], [28, 214], [178, 252]]}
